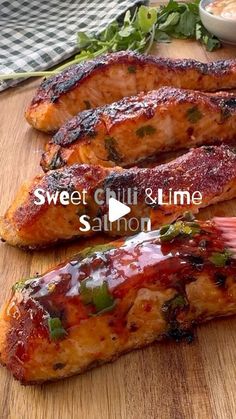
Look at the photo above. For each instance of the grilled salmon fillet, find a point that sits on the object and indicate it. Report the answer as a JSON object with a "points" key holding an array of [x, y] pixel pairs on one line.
{"points": [[110, 77], [209, 170], [115, 298], [29, 225], [137, 127]]}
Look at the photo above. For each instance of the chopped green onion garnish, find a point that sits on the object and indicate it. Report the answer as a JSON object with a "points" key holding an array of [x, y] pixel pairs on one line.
{"points": [[56, 329], [102, 298], [220, 259], [86, 293], [18, 286], [170, 233], [180, 228], [164, 229], [90, 251], [170, 307], [98, 295]]}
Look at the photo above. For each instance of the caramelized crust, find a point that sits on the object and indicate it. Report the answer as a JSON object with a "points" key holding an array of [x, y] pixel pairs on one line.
{"points": [[149, 290], [137, 127], [110, 77], [210, 170]]}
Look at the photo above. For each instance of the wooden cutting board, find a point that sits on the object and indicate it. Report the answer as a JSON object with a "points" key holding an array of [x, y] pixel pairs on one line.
{"points": [[163, 381]]}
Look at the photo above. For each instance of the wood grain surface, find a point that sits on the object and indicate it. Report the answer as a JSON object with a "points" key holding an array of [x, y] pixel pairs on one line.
{"points": [[163, 381]]}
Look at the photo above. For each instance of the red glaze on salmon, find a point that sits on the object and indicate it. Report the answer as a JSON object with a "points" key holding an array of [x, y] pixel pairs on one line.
{"points": [[109, 300]]}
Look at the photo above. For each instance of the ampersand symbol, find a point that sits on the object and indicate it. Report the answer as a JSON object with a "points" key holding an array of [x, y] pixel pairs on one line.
{"points": [[149, 200]]}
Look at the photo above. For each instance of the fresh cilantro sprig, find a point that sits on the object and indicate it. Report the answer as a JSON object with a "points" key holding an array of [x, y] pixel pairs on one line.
{"points": [[182, 20], [137, 32], [148, 24]]}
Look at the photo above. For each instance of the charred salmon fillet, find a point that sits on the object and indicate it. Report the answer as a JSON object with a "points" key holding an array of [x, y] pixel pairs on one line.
{"points": [[209, 170], [115, 298], [137, 127], [111, 77], [30, 225]]}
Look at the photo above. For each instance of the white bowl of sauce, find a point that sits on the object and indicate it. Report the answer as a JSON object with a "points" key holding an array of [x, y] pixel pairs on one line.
{"points": [[219, 17]]}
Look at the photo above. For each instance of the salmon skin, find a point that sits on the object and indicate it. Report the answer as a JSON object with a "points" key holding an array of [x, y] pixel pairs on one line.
{"points": [[112, 299], [210, 170], [110, 77], [137, 127]]}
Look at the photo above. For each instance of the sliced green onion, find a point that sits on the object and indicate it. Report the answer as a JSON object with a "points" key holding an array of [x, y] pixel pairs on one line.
{"points": [[180, 228], [99, 248], [173, 305], [18, 286], [56, 330], [220, 259], [98, 295]]}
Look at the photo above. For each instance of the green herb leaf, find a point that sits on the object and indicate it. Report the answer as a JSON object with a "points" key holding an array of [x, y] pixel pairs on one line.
{"points": [[161, 36], [207, 39], [83, 40], [131, 69], [56, 330], [193, 114], [108, 34], [171, 6], [182, 20], [145, 130], [171, 21], [186, 25], [127, 31], [146, 18]]}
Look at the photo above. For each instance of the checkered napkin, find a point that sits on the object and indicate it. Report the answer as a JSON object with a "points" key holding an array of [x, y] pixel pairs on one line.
{"points": [[38, 34]]}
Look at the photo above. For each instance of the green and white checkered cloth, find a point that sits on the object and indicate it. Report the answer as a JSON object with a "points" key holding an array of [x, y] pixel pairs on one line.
{"points": [[38, 34]]}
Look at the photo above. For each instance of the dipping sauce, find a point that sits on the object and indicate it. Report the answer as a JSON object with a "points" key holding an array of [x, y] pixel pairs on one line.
{"points": [[222, 8]]}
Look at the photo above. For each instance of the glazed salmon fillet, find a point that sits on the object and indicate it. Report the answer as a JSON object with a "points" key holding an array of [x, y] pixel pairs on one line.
{"points": [[137, 127], [210, 170], [93, 308], [111, 77]]}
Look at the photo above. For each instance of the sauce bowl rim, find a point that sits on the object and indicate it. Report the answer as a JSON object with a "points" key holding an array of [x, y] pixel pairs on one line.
{"points": [[204, 3]]}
